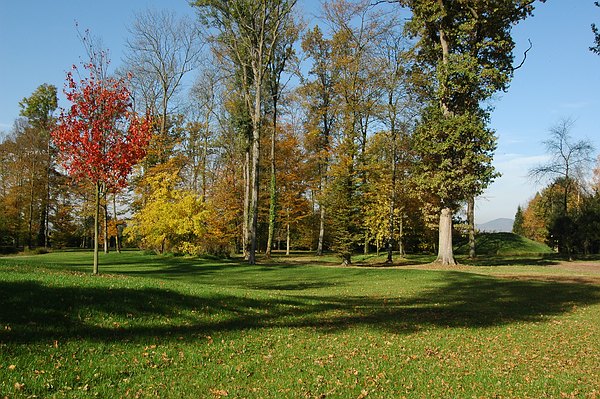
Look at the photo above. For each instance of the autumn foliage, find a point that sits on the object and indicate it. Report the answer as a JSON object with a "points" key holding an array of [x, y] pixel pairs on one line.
{"points": [[100, 138]]}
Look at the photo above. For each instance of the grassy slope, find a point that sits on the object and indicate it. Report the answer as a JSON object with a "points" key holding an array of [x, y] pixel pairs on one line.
{"points": [[176, 327], [505, 244]]}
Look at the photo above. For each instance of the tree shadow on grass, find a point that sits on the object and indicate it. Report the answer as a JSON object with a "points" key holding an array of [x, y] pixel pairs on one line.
{"points": [[511, 260], [34, 312]]}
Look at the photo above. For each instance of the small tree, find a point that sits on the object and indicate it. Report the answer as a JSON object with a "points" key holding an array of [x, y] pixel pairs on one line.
{"points": [[99, 138], [518, 223]]}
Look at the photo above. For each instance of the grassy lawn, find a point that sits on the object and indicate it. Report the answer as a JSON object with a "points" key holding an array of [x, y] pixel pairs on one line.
{"points": [[297, 327]]}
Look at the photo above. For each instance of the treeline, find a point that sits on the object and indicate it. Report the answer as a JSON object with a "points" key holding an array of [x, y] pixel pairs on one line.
{"points": [[566, 213], [368, 134]]}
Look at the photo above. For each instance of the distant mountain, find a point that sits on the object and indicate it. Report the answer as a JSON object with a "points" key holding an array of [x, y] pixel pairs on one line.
{"points": [[502, 225]]}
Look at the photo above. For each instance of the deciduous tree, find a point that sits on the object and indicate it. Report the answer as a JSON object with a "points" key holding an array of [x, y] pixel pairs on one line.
{"points": [[99, 138], [568, 163], [248, 34], [465, 49]]}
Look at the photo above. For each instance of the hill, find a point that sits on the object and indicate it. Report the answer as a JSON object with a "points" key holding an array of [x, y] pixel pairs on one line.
{"points": [[501, 225], [505, 244]]}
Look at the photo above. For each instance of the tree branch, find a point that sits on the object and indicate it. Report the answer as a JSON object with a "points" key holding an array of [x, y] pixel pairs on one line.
{"points": [[524, 56]]}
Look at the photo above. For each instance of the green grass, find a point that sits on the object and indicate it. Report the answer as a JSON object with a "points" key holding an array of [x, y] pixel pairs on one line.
{"points": [[294, 327], [506, 244]]}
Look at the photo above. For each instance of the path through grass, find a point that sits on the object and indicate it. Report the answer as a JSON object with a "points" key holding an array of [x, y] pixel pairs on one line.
{"points": [[177, 327]]}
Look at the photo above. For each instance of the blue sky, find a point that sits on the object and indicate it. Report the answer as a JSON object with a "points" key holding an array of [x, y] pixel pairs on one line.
{"points": [[560, 79]]}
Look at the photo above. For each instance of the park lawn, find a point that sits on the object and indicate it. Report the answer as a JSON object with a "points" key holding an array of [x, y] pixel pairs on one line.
{"points": [[174, 327]]}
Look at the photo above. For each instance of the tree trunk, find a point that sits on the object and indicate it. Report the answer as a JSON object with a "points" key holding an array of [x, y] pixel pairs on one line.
{"points": [[31, 192], [272, 189], [47, 204], [105, 209], [390, 240], [445, 254], [346, 259], [256, 120], [400, 236], [287, 239], [321, 230], [245, 223], [96, 227], [117, 239], [471, 223]]}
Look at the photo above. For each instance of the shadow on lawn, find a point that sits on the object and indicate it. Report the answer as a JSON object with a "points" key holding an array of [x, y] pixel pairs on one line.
{"points": [[32, 312]]}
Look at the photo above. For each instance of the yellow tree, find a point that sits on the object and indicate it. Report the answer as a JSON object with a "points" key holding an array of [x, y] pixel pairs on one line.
{"points": [[171, 218]]}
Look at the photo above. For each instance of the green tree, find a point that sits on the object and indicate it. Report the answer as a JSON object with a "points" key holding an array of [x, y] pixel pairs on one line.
{"points": [[39, 110], [465, 48], [248, 33], [319, 97], [518, 222]]}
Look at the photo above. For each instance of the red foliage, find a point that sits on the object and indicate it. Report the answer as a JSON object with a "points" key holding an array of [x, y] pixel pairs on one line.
{"points": [[100, 138]]}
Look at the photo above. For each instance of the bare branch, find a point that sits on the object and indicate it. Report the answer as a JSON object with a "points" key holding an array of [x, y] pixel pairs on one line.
{"points": [[524, 56]]}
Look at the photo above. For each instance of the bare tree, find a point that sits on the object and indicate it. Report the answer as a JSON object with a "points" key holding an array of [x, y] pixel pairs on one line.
{"points": [[568, 161], [162, 50]]}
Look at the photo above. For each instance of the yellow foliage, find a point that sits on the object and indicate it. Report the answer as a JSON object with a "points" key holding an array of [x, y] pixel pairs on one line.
{"points": [[171, 218]]}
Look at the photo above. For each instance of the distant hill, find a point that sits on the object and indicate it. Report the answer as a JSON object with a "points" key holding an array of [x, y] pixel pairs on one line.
{"points": [[502, 225]]}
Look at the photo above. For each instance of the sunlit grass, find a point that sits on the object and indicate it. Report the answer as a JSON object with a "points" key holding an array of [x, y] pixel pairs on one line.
{"points": [[297, 326]]}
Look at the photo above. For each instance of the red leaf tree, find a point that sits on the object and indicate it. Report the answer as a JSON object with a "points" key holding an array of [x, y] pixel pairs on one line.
{"points": [[100, 138]]}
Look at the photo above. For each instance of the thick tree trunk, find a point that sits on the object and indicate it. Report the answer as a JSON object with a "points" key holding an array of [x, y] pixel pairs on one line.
{"points": [[471, 223], [445, 254], [96, 227]]}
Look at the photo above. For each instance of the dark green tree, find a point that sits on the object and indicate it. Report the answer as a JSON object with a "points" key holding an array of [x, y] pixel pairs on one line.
{"points": [[465, 49], [518, 223]]}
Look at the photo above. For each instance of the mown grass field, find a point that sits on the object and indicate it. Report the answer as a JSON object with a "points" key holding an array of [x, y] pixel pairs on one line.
{"points": [[297, 327]]}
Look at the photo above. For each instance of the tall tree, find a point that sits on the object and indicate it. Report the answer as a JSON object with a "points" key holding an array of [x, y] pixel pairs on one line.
{"points": [[283, 55], [248, 33], [39, 109], [465, 47], [320, 98], [162, 50], [100, 138]]}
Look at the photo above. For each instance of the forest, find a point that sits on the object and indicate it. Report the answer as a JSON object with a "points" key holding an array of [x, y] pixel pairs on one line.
{"points": [[366, 132]]}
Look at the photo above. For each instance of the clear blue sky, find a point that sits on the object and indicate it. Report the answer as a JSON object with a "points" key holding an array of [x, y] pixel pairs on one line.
{"points": [[38, 43]]}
